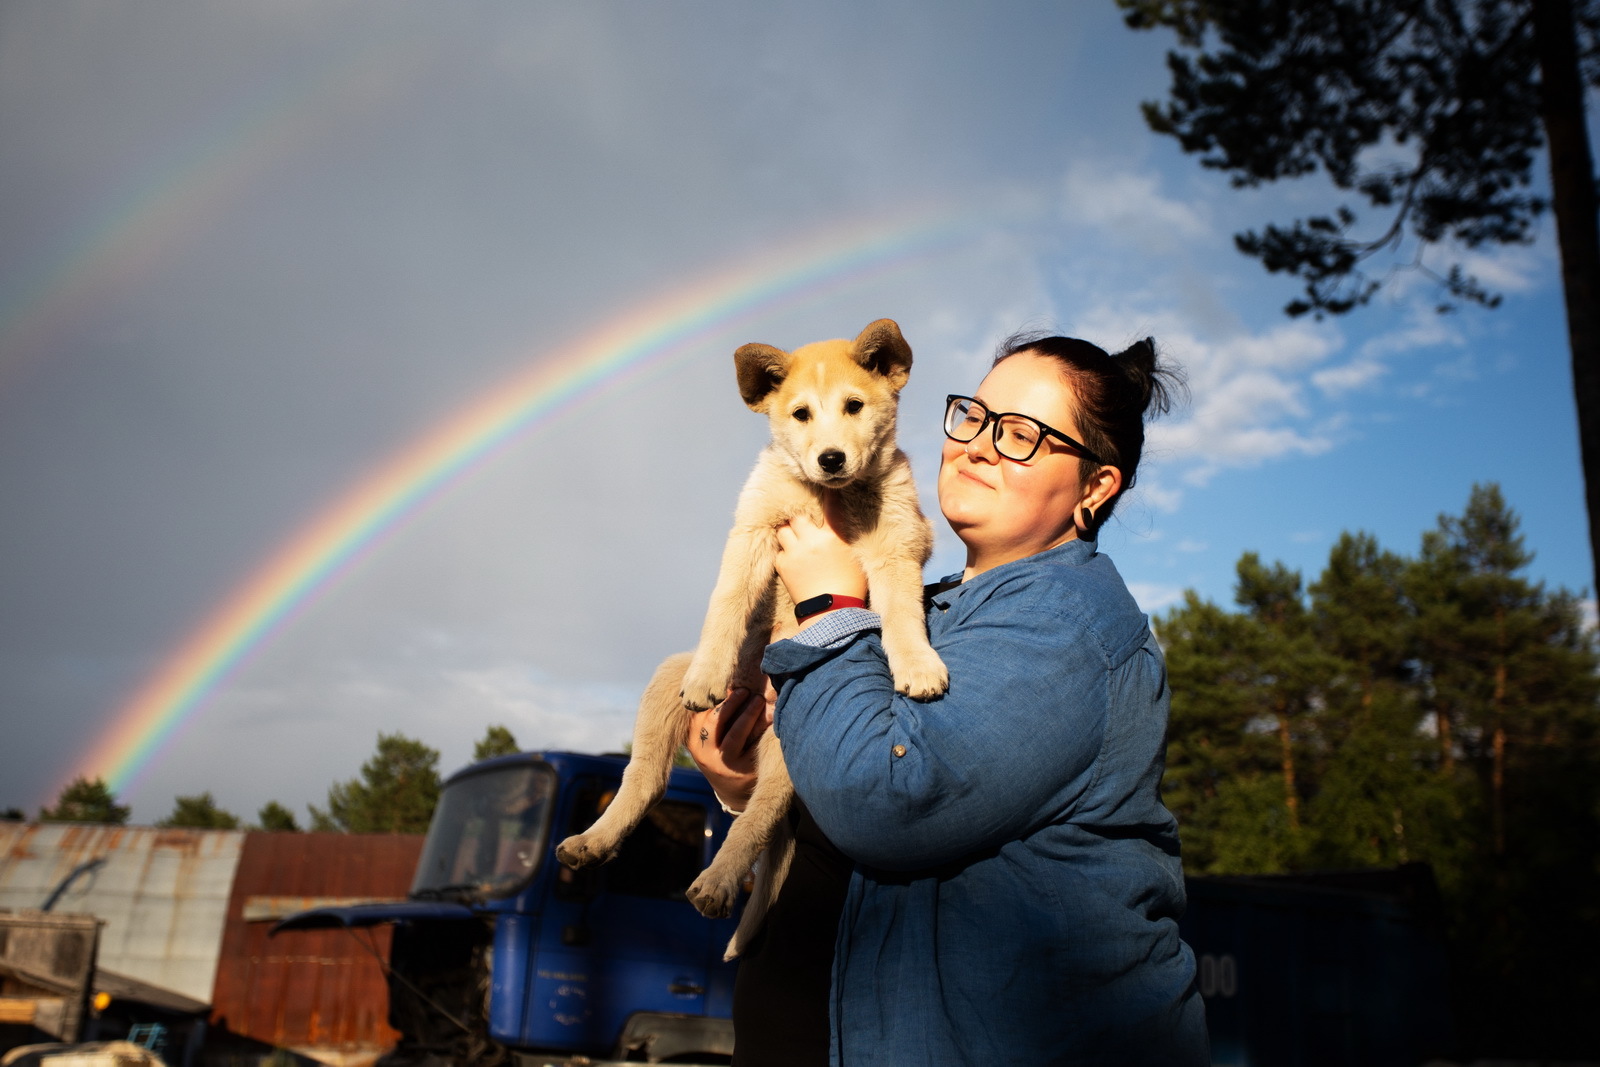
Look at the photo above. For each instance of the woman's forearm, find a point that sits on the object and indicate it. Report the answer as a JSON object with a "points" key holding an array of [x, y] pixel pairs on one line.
{"points": [[901, 784]]}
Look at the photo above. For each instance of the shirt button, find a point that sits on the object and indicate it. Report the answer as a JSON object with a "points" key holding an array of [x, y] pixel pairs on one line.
{"points": [[898, 750]]}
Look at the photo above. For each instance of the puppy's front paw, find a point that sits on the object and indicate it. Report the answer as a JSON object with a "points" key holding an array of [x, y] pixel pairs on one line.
{"points": [[582, 850], [713, 895], [704, 685], [921, 675]]}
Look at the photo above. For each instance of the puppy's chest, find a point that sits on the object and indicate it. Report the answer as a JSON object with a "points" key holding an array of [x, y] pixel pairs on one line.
{"points": [[772, 495]]}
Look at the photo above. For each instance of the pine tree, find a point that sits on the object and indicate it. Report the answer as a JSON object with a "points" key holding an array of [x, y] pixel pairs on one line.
{"points": [[1223, 778], [200, 813], [277, 818], [86, 801], [496, 741], [1443, 709], [396, 793], [1368, 811]]}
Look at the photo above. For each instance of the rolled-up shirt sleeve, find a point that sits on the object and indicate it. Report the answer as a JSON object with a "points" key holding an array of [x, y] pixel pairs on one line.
{"points": [[900, 784], [836, 628]]}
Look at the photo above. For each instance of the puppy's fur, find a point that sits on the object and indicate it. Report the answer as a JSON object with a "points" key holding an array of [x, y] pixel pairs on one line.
{"points": [[832, 409]]}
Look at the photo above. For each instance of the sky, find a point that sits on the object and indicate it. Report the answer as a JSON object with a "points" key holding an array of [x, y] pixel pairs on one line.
{"points": [[254, 254]]}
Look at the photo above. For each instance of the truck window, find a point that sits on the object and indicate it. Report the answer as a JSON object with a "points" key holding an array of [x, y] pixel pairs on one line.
{"points": [[659, 859], [488, 832]]}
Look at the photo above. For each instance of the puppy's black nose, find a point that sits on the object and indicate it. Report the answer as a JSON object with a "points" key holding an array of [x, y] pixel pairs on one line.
{"points": [[832, 461]]}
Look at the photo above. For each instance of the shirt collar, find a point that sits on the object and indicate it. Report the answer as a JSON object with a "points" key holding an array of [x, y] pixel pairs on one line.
{"points": [[1072, 553]]}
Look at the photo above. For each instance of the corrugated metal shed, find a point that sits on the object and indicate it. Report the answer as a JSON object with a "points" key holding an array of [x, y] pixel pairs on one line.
{"points": [[163, 894], [304, 988]]}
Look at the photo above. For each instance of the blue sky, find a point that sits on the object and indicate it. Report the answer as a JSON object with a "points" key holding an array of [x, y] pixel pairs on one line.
{"points": [[250, 250]]}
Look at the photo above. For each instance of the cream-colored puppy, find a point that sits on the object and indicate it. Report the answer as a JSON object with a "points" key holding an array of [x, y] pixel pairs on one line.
{"points": [[832, 408]]}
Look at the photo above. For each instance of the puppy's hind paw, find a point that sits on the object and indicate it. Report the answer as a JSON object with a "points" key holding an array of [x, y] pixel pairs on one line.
{"points": [[712, 895], [581, 851], [922, 679]]}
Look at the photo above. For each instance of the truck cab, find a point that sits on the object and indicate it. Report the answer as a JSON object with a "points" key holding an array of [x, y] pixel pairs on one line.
{"points": [[502, 953]]}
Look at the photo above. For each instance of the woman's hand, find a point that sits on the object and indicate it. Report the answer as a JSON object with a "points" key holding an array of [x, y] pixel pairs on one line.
{"points": [[813, 559], [722, 743]]}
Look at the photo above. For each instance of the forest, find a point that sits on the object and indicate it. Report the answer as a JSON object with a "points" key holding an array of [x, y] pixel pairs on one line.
{"points": [[1438, 708]]}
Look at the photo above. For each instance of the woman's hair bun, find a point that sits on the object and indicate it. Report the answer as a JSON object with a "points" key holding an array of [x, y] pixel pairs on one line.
{"points": [[1152, 385]]}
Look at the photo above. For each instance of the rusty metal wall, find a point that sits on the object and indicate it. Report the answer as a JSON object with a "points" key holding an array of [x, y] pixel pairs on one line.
{"points": [[162, 893], [302, 988]]}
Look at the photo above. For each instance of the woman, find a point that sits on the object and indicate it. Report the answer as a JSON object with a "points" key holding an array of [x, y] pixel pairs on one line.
{"points": [[1014, 883]]}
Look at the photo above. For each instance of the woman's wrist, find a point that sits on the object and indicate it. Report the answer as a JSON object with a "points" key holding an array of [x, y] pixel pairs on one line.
{"points": [[733, 805], [823, 603], [813, 560]]}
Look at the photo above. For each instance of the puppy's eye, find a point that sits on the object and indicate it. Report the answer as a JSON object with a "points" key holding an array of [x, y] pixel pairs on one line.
{"points": [[853, 406], [802, 414]]}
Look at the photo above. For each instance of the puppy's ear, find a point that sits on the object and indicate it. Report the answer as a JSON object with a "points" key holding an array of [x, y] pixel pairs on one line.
{"points": [[762, 369], [882, 350]]}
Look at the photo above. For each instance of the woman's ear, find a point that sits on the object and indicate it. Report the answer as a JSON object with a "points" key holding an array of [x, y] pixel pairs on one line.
{"points": [[1104, 485]]}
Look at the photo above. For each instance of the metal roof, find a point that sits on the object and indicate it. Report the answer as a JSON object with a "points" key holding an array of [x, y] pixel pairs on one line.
{"points": [[163, 894]]}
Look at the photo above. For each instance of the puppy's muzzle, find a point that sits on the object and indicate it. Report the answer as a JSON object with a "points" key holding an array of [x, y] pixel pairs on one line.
{"points": [[831, 461]]}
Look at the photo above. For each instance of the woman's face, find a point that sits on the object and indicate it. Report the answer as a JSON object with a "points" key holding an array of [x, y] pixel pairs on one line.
{"points": [[1002, 509]]}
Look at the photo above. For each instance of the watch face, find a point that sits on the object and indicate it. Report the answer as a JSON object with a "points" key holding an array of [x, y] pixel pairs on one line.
{"points": [[814, 605]]}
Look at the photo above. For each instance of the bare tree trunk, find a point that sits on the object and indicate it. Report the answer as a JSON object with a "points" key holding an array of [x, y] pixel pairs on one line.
{"points": [[1498, 717], [1577, 230], [1498, 771], [1447, 756], [1291, 798]]}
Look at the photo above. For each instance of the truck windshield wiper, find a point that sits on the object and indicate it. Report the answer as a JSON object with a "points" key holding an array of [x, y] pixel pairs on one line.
{"points": [[456, 889]]}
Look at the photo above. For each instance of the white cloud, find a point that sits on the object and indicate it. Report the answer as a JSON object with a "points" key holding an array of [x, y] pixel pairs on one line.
{"points": [[1153, 596], [1130, 205], [543, 714], [1152, 492], [1507, 269], [1351, 376], [1247, 395]]}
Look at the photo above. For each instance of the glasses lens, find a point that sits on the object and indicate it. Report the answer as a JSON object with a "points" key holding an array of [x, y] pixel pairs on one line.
{"points": [[1018, 437], [964, 419]]}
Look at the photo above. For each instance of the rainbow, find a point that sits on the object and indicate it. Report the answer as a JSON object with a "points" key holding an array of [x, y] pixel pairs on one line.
{"points": [[644, 339], [185, 190]]}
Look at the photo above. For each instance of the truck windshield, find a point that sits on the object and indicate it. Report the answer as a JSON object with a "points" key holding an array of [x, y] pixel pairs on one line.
{"points": [[488, 833]]}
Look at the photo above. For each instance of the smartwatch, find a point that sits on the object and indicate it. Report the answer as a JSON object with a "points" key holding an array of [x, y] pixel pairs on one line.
{"points": [[826, 602]]}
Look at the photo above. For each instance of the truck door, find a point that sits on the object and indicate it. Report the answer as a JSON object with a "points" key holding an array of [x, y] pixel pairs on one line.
{"points": [[622, 938]]}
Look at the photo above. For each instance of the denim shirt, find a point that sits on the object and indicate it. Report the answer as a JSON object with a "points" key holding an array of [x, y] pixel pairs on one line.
{"points": [[1017, 884]]}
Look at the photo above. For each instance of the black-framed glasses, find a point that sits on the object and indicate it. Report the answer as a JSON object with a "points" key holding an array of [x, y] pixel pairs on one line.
{"points": [[1016, 436]]}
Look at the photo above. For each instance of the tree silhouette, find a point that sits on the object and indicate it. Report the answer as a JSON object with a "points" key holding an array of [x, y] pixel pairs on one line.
{"points": [[86, 801], [396, 793], [277, 818], [1433, 112], [200, 813], [496, 741]]}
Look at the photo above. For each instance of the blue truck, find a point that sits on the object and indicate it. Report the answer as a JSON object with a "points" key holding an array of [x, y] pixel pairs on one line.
{"points": [[502, 956]]}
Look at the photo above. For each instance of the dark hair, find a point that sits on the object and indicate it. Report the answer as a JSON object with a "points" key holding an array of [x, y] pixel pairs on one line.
{"points": [[1113, 395]]}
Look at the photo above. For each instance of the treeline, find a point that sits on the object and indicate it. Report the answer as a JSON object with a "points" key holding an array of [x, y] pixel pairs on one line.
{"points": [[1438, 708], [395, 793]]}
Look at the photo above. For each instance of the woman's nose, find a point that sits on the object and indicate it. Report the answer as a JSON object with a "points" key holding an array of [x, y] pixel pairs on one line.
{"points": [[982, 446]]}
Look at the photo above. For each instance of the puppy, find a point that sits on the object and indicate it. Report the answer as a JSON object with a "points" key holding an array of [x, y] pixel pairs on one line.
{"points": [[831, 406]]}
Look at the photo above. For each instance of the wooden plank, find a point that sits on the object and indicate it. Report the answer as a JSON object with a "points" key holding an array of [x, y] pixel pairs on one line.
{"points": [[20, 1009]]}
